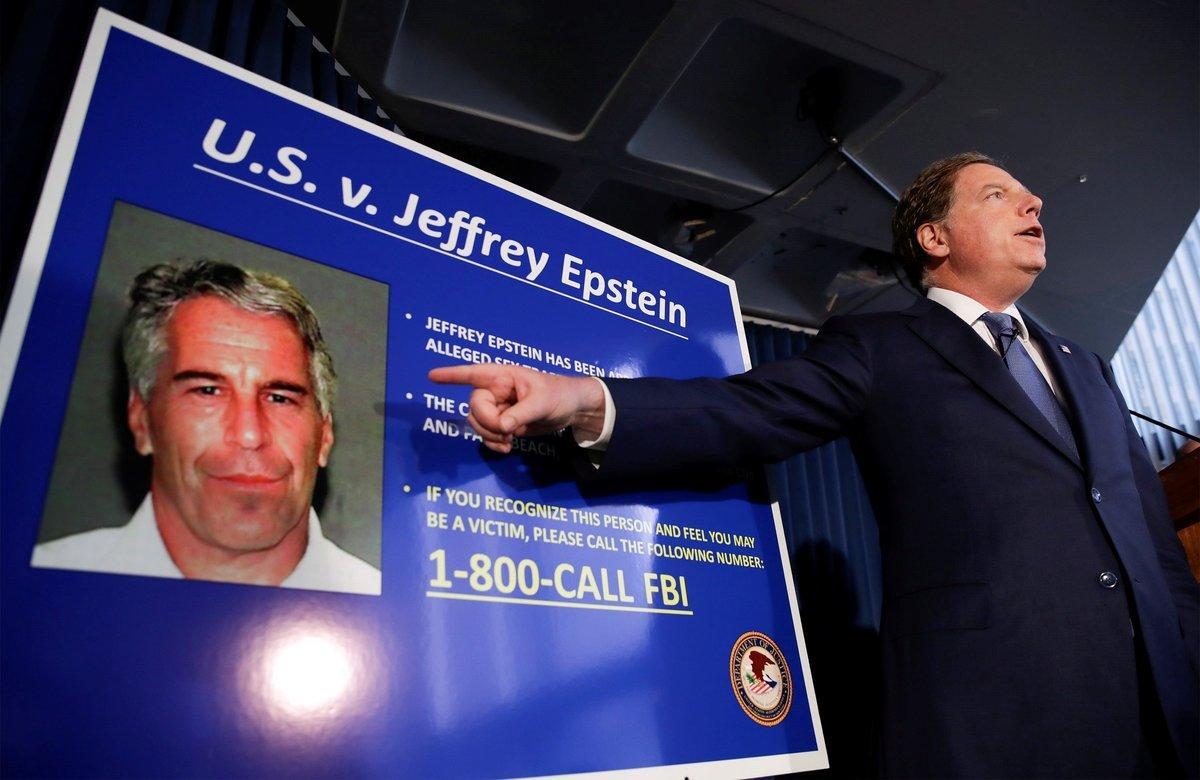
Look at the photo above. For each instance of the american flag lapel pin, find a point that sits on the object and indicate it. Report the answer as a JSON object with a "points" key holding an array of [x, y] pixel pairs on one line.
{"points": [[1065, 348]]}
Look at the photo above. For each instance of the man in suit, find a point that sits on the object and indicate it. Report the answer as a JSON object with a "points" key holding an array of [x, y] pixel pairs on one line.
{"points": [[1039, 619]]}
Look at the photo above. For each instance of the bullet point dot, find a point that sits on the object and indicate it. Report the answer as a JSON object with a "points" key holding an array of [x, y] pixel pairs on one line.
{"points": [[408, 488], [408, 396], [407, 316]]}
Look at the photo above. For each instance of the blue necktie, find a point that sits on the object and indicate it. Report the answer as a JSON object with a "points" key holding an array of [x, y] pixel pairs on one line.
{"points": [[1025, 371]]}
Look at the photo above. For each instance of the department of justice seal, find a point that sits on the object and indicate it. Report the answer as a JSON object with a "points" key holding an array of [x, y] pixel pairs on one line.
{"points": [[761, 680]]}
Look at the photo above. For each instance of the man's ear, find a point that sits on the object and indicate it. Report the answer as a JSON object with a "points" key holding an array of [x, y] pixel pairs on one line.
{"points": [[138, 417], [932, 238], [326, 440]]}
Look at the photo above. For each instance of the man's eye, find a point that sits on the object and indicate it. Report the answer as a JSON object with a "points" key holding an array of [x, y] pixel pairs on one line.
{"points": [[206, 390], [997, 194], [279, 398]]}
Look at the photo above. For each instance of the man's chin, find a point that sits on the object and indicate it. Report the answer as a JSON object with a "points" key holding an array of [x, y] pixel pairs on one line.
{"points": [[248, 531], [1029, 272], [1034, 264]]}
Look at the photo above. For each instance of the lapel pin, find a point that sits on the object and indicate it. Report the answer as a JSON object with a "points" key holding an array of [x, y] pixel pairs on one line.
{"points": [[1065, 348]]}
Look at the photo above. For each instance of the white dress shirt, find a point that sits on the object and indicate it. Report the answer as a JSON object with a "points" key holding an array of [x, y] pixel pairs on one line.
{"points": [[971, 311], [137, 548], [964, 307]]}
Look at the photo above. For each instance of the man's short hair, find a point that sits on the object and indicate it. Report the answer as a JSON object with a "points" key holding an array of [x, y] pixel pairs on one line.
{"points": [[927, 199], [157, 290]]}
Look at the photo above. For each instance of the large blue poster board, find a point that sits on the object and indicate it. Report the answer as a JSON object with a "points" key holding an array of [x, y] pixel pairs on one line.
{"points": [[451, 613]]}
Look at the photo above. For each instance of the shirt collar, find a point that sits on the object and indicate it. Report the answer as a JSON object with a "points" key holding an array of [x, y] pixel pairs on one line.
{"points": [[970, 310], [314, 564], [144, 543]]}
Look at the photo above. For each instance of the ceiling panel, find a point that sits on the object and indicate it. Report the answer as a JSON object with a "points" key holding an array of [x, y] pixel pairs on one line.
{"points": [[723, 107]]}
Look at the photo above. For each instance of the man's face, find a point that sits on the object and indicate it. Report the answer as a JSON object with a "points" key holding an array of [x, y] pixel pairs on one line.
{"points": [[233, 425], [991, 237]]}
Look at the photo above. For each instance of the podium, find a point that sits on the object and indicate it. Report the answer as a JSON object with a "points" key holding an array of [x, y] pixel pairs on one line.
{"points": [[1181, 481]]}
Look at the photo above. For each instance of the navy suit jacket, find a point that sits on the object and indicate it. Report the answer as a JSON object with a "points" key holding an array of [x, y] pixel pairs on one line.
{"points": [[1004, 653]]}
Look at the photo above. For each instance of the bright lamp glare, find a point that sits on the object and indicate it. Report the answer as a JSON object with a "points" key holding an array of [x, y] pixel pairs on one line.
{"points": [[307, 675]]}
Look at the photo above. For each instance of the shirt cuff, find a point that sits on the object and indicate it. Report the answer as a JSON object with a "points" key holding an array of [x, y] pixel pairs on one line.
{"points": [[600, 443]]}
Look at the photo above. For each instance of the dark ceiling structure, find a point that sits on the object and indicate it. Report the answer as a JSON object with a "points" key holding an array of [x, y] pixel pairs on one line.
{"points": [[766, 140]]}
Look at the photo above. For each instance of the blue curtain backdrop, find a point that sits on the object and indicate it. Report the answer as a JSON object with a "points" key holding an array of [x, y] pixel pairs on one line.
{"points": [[823, 500], [831, 534], [833, 543]]}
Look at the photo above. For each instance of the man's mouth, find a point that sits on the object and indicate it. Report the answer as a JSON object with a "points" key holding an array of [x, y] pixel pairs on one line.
{"points": [[249, 480], [1034, 231]]}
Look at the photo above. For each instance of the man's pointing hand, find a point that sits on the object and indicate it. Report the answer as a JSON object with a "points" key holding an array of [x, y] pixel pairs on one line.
{"points": [[513, 401]]}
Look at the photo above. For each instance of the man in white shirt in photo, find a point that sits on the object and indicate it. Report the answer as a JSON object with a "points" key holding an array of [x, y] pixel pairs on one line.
{"points": [[230, 392]]}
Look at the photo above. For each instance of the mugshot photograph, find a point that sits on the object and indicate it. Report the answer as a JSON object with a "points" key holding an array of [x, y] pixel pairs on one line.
{"points": [[219, 410]]}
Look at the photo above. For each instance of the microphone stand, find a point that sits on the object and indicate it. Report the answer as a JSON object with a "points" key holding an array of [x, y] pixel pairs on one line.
{"points": [[1162, 424]]}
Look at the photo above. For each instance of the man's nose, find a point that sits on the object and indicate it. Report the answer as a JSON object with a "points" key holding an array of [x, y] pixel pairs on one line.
{"points": [[1032, 204], [247, 426]]}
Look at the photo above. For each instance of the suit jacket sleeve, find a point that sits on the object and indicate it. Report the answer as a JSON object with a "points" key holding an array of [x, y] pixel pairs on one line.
{"points": [[1184, 589], [760, 416]]}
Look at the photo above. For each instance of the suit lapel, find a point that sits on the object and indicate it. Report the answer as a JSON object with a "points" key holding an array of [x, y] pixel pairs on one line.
{"points": [[962, 348], [1079, 393]]}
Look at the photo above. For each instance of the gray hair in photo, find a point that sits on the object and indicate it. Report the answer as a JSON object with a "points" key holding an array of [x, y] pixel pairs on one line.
{"points": [[160, 288]]}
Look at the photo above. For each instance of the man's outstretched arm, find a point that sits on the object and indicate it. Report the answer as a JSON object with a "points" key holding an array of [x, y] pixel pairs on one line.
{"points": [[512, 401], [761, 416]]}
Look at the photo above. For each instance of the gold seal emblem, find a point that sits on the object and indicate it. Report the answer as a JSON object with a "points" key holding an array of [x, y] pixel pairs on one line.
{"points": [[761, 680]]}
